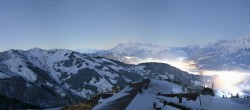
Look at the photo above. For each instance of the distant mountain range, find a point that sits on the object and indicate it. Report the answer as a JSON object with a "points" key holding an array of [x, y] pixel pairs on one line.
{"points": [[134, 53], [221, 55], [53, 78]]}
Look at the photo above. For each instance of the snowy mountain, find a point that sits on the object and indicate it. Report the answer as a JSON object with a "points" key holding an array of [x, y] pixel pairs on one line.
{"points": [[221, 55], [125, 59], [52, 78], [224, 54], [135, 53], [144, 51], [87, 51]]}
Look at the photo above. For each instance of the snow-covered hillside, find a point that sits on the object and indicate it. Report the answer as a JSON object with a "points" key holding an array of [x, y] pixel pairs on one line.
{"points": [[224, 54], [51, 77], [145, 100]]}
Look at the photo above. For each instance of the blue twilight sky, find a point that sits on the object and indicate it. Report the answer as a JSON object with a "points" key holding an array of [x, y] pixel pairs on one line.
{"points": [[101, 24]]}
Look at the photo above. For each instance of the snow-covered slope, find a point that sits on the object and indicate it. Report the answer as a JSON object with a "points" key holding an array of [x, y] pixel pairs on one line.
{"points": [[51, 77], [225, 54], [209, 103], [145, 100]]}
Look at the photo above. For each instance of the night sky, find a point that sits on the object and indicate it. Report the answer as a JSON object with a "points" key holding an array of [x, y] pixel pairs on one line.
{"points": [[101, 24]]}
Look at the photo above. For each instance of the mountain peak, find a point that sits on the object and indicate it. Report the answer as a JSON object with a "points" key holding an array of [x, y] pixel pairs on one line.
{"points": [[35, 49], [243, 39], [137, 49], [230, 46], [86, 50], [131, 44]]}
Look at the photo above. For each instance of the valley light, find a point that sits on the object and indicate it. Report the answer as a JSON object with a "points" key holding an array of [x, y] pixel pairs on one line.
{"points": [[182, 64], [225, 81]]}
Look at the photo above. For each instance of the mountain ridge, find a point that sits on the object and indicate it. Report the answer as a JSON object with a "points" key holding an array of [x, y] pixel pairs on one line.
{"points": [[220, 55], [53, 77]]}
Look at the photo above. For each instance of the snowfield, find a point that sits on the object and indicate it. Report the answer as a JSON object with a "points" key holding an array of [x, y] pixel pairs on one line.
{"points": [[145, 100]]}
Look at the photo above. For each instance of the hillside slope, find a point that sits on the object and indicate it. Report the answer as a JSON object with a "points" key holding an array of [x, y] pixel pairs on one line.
{"points": [[51, 78], [145, 100]]}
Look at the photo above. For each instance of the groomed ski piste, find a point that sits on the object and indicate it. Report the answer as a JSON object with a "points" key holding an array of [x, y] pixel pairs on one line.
{"points": [[130, 99]]}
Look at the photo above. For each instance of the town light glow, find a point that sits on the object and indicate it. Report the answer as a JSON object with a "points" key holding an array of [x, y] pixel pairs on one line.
{"points": [[226, 81]]}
